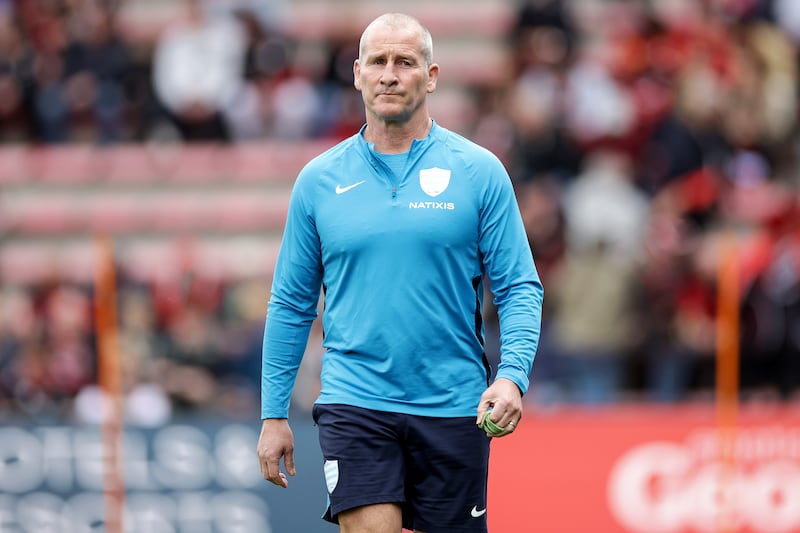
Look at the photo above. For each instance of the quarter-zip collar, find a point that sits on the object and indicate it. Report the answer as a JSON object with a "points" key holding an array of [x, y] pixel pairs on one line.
{"points": [[418, 147]]}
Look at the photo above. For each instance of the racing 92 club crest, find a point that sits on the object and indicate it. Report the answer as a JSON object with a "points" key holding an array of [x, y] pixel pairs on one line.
{"points": [[434, 181]]}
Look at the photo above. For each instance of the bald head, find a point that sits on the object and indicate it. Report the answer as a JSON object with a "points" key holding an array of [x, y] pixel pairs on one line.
{"points": [[400, 22]]}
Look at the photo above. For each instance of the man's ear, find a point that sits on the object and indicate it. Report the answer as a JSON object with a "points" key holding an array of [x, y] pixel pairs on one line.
{"points": [[356, 75], [433, 77]]}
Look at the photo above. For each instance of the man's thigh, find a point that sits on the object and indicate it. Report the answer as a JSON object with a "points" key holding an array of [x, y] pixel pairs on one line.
{"points": [[376, 518]]}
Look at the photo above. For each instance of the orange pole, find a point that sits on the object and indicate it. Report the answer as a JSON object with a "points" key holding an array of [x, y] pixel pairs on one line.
{"points": [[109, 378], [727, 377]]}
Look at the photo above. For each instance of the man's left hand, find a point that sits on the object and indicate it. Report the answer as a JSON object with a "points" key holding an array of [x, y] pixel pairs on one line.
{"points": [[505, 400]]}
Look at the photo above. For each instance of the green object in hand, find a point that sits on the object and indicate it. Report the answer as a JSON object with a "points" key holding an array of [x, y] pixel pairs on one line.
{"points": [[491, 429]]}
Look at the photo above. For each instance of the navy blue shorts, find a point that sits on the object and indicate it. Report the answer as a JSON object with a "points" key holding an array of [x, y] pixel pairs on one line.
{"points": [[434, 468]]}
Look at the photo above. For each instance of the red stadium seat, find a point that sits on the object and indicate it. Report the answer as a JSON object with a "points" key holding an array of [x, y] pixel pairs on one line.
{"points": [[70, 164], [14, 165], [47, 214]]}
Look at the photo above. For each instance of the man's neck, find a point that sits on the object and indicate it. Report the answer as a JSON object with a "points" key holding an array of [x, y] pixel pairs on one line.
{"points": [[396, 137]]}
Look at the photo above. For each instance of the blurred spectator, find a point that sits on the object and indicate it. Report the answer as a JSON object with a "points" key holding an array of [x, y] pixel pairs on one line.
{"points": [[295, 106], [542, 146], [68, 341], [604, 205], [543, 42], [543, 216], [771, 298], [44, 27], [198, 71], [18, 332], [787, 17], [341, 109], [543, 32], [97, 67], [16, 81], [266, 56], [192, 337], [696, 310], [242, 321], [594, 323], [47, 348], [667, 364]]}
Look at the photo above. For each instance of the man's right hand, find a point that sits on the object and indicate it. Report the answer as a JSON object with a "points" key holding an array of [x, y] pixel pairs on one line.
{"points": [[276, 441]]}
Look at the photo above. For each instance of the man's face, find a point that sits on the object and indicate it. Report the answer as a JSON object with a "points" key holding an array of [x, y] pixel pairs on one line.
{"points": [[392, 75]]}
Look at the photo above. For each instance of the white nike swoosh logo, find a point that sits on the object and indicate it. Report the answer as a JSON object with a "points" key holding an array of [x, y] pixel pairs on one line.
{"points": [[340, 189], [476, 513]]}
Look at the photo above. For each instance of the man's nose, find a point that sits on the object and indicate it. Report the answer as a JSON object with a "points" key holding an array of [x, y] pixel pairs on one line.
{"points": [[389, 75]]}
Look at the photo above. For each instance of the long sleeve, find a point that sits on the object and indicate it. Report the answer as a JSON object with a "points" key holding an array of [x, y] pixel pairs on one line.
{"points": [[513, 278], [293, 304]]}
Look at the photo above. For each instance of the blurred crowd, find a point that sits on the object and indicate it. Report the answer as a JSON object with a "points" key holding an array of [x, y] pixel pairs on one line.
{"points": [[192, 344], [83, 71], [651, 143]]}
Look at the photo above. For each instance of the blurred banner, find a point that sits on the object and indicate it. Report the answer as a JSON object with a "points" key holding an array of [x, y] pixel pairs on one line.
{"points": [[642, 469], [189, 476], [647, 470]]}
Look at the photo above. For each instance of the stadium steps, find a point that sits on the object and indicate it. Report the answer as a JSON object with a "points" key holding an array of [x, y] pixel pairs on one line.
{"points": [[140, 258], [221, 209]]}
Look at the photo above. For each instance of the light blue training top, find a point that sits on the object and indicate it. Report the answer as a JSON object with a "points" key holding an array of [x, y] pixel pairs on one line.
{"points": [[402, 263]]}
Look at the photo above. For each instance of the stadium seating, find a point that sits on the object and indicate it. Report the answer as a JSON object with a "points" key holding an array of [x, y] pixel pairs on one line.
{"points": [[230, 201]]}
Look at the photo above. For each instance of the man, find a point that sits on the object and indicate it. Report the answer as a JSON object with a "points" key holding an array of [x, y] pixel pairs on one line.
{"points": [[401, 225]]}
